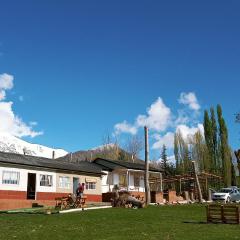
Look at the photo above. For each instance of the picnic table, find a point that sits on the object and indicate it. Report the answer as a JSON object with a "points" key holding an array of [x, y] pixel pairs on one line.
{"points": [[70, 202]]}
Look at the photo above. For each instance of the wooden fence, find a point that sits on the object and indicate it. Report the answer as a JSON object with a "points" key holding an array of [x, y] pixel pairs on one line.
{"points": [[217, 213]]}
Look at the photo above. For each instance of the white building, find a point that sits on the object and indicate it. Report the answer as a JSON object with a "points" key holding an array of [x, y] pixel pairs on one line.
{"points": [[127, 176], [26, 178]]}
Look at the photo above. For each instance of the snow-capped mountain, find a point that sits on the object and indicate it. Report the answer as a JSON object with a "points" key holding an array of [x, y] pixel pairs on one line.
{"points": [[9, 143]]}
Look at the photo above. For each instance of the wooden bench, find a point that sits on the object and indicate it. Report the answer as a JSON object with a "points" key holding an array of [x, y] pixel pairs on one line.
{"points": [[62, 202], [217, 213], [80, 202]]}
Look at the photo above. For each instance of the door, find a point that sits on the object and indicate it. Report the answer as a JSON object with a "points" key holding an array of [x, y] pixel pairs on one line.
{"points": [[31, 186], [75, 184]]}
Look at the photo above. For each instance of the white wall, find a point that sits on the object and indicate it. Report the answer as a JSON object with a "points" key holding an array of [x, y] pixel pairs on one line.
{"points": [[22, 186], [105, 181], [115, 178], [115, 181]]}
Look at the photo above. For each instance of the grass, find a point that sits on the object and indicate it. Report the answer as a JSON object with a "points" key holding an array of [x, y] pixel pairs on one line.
{"points": [[160, 223]]}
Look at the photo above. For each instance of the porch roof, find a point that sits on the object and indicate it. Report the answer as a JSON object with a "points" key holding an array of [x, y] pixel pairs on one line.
{"points": [[110, 165]]}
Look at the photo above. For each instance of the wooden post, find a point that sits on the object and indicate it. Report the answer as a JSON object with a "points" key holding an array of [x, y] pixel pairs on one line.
{"points": [[197, 182], [180, 185], [127, 178], [209, 195], [161, 184], [206, 187], [147, 188]]}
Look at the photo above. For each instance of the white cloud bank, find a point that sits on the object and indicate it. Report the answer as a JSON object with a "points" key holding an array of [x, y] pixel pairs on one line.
{"points": [[9, 122], [160, 120]]}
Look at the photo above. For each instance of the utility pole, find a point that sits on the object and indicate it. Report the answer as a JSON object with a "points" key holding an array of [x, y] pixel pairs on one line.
{"points": [[197, 182], [147, 188]]}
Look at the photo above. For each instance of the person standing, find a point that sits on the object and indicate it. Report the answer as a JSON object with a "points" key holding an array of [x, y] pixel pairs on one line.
{"points": [[80, 190]]}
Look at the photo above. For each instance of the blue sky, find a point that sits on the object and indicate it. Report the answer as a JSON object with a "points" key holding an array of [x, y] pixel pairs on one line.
{"points": [[78, 68]]}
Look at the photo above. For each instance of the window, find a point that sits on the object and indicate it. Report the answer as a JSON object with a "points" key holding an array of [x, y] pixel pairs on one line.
{"points": [[122, 180], [136, 181], [10, 177], [64, 182], [46, 180], [90, 185]]}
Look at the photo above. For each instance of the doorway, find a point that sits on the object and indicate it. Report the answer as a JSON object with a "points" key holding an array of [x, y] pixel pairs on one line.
{"points": [[31, 186], [75, 184]]}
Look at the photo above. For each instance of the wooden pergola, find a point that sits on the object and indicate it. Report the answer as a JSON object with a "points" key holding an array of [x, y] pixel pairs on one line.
{"points": [[186, 182]]}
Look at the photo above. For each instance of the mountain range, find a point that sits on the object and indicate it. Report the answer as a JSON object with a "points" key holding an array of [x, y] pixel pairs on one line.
{"points": [[12, 144]]}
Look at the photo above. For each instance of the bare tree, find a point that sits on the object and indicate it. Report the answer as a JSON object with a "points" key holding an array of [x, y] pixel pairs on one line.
{"points": [[110, 148], [134, 146]]}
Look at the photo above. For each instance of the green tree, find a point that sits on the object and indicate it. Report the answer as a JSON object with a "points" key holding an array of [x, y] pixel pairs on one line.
{"points": [[224, 148], [216, 164], [176, 153], [208, 133], [181, 153], [164, 159], [200, 152]]}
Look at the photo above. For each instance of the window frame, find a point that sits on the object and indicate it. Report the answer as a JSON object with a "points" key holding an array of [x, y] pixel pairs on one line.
{"points": [[92, 184], [63, 184], [8, 181], [136, 177], [46, 180]]}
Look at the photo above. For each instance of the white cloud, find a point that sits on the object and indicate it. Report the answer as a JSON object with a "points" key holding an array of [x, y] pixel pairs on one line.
{"points": [[188, 132], [13, 124], [9, 122], [166, 139], [161, 121], [190, 100], [6, 83], [158, 116], [124, 127]]}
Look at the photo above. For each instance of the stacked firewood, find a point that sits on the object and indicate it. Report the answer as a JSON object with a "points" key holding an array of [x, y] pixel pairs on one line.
{"points": [[124, 199]]}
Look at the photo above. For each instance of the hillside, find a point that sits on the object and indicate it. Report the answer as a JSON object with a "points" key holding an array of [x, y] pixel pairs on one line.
{"points": [[108, 151]]}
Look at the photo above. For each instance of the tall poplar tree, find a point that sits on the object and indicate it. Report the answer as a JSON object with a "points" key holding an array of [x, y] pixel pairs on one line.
{"points": [[208, 133], [200, 152], [176, 154], [224, 148], [216, 163]]}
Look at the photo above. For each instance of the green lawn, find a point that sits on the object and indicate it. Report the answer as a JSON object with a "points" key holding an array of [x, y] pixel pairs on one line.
{"points": [[165, 222]]}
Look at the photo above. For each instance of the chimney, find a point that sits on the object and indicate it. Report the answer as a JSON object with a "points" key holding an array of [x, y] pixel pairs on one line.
{"points": [[53, 154]]}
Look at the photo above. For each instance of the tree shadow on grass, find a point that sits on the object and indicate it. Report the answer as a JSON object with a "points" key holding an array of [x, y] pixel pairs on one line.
{"points": [[195, 222]]}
